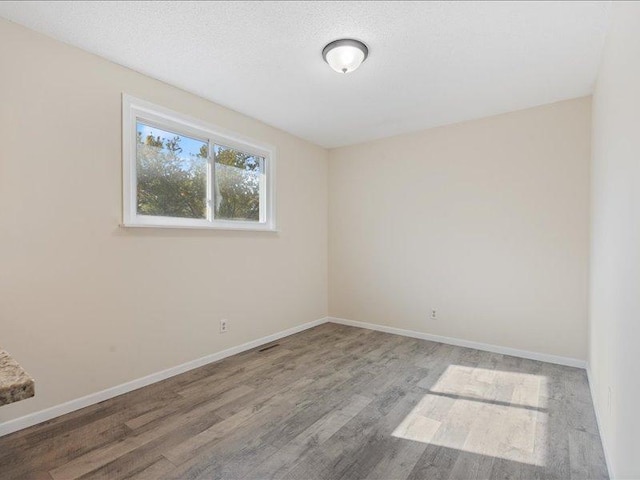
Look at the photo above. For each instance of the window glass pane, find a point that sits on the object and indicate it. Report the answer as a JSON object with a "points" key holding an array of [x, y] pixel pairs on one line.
{"points": [[240, 179], [172, 173]]}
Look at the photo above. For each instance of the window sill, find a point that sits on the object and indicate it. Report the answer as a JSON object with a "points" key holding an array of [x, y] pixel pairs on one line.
{"points": [[235, 228]]}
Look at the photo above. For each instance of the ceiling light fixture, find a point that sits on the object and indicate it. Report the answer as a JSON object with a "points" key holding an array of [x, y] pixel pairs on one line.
{"points": [[345, 55]]}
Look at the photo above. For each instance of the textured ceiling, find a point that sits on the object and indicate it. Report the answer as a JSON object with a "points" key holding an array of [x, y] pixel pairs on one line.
{"points": [[430, 63]]}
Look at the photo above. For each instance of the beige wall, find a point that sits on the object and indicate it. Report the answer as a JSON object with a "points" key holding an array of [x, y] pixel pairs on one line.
{"points": [[485, 221], [614, 353], [85, 304]]}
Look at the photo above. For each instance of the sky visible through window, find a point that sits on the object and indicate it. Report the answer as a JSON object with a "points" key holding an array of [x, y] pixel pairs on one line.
{"points": [[190, 146]]}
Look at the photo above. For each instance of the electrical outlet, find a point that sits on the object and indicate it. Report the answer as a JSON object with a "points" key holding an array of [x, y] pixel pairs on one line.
{"points": [[224, 325], [434, 314]]}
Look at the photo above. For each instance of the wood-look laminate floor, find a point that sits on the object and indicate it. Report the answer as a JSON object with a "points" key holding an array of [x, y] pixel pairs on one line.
{"points": [[333, 402]]}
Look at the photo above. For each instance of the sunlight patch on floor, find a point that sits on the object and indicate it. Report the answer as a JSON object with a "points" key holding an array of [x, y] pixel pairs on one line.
{"points": [[503, 386], [495, 413]]}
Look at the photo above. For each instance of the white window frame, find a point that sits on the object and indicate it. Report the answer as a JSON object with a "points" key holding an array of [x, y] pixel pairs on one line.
{"points": [[134, 110]]}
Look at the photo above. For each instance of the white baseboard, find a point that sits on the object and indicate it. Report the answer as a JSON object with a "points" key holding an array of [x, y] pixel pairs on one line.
{"points": [[543, 357], [596, 408], [93, 398]]}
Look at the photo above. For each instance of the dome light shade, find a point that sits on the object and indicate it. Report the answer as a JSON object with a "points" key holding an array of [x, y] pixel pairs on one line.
{"points": [[345, 55]]}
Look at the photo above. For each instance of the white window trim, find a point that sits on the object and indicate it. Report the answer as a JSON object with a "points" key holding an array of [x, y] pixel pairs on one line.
{"points": [[134, 109]]}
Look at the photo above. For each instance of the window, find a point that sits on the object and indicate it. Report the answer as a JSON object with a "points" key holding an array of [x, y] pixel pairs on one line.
{"points": [[179, 172]]}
